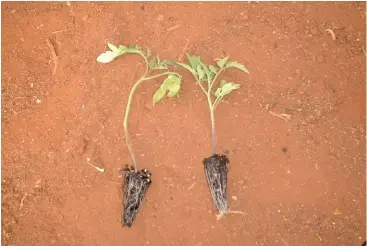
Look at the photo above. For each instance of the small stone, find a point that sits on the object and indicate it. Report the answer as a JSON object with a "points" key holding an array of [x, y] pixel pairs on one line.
{"points": [[234, 198], [148, 106], [85, 17], [38, 183], [38, 101]]}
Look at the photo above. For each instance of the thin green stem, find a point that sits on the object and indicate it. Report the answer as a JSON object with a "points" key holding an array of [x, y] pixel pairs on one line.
{"points": [[215, 78], [200, 84], [217, 101], [161, 74], [212, 121], [128, 106], [211, 105]]}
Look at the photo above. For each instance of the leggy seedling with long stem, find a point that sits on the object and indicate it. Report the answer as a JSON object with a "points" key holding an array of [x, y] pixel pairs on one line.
{"points": [[137, 182], [216, 166]]}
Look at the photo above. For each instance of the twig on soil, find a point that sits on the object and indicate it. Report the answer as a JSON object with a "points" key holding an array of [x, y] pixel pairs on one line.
{"points": [[101, 170], [331, 32], [53, 53], [59, 31], [285, 242], [364, 51], [173, 27], [22, 201], [191, 186], [285, 117], [184, 50], [216, 31]]}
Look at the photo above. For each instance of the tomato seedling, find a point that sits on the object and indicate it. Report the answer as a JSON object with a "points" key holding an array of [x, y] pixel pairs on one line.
{"points": [[136, 182], [216, 166]]}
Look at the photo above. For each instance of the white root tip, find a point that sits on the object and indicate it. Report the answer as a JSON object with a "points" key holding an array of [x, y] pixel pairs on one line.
{"points": [[221, 214]]}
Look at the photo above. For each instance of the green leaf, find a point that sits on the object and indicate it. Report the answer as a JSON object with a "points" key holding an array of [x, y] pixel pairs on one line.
{"points": [[153, 62], [158, 95], [235, 64], [111, 54], [172, 85], [184, 65], [217, 92], [170, 62], [223, 82], [212, 69], [205, 68], [226, 88], [133, 49], [200, 72], [222, 62], [112, 47], [194, 60], [107, 56]]}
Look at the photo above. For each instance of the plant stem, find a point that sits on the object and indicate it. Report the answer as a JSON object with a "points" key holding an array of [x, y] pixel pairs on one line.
{"points": [[161, 74], [212, 120], [128, 106]]}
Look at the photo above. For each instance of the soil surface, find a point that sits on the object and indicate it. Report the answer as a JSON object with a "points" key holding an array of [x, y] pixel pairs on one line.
{"points": [[294, 132]]}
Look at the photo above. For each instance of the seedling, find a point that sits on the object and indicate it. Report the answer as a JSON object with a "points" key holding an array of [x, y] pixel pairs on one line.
{"points": [[137, 182], [216, 166]]}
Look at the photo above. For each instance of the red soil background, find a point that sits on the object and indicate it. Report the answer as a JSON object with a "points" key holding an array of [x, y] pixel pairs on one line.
{"points": [[301, 181]]}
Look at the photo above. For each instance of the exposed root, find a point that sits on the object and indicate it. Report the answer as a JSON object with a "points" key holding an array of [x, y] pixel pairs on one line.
{"points": [[331, 32], [221, 214], [173, 28], [285, 117], [22, 201], [191, 186], [59, 31], [184, 50], [53, 53]]}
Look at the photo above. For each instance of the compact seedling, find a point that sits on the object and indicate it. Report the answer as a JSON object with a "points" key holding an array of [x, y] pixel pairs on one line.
{"points": [[136, 182], [216, 166]]}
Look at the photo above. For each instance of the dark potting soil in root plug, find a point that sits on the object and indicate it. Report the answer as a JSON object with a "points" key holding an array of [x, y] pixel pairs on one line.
{"points": [[216, 169], [136, 184]]}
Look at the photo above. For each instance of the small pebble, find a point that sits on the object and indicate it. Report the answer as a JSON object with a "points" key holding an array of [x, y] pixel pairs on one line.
{"points": [[85, 17], [149, 106]]}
